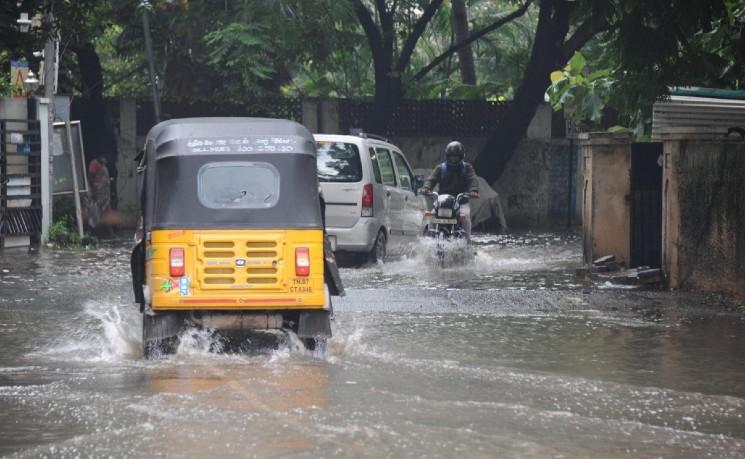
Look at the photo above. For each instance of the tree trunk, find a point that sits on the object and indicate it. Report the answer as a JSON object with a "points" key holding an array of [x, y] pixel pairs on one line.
{"points": [[388, 86], [465, 54], [553, 24], [388, 94], [98, 135]]}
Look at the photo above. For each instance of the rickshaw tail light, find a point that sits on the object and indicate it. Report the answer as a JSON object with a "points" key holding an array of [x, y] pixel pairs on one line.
{"points": [[177, 262], [367, 200], [302, 261]]}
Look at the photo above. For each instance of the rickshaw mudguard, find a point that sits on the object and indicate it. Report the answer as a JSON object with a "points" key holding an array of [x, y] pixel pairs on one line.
{"points": [[137, 265], [331, 270], [314, 324]]}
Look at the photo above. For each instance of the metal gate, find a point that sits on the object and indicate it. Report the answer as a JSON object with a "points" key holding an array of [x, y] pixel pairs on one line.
{"points": [[646, 204], [20, 182]]}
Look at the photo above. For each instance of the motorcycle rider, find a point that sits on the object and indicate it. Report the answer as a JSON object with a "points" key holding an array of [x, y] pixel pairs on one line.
{"points": [[455, 176]]}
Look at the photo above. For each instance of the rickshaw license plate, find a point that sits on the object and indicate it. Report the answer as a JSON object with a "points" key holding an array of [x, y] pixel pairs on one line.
{"points": [[332, 242], [443, 221]]}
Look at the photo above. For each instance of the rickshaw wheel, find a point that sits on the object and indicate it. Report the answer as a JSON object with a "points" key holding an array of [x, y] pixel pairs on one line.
{"points": [[159, 348], [315, 344], [379, 247]]}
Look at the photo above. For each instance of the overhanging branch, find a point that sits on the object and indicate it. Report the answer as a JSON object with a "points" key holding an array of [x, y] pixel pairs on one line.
{"points": [[416, 33], [581, 36], [374, 39], [473, 37]]}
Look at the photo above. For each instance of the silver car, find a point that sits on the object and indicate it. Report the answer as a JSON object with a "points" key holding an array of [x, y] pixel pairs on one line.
{"points": [[370, 193]]}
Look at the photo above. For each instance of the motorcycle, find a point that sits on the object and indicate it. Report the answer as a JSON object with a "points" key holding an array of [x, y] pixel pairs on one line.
{"points": [[444, 225]]}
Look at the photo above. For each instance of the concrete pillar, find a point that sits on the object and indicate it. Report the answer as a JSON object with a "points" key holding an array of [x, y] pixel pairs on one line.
{"points": [[670, 213], [310, 114], [328, 122], [540, 126], [43, 115], [606, 191], [703, 211]]}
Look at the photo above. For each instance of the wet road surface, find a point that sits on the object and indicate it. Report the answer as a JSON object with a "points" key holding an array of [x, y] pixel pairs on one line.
{"points": [[510, 357]]}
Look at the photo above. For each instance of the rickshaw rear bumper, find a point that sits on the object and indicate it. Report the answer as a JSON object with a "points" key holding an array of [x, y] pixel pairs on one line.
{"points": [[310, 323]]}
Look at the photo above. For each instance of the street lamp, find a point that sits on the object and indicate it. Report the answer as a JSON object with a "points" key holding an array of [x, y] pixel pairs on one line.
{"points": [[30, 83]]}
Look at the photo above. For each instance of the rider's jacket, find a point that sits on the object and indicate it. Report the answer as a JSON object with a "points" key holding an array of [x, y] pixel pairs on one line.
{"points": [[453, 178]]}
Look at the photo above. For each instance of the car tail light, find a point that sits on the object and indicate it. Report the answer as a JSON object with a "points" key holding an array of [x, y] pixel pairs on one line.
{"points": [[367, 200], [302, 261], [177, 262]]}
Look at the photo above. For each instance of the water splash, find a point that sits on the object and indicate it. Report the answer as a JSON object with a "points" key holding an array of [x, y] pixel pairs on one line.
{"points": [[533, 261], [101, 332]]}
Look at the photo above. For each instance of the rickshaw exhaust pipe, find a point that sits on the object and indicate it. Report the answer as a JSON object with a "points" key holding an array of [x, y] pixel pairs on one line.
{"points": [[238, 321]]}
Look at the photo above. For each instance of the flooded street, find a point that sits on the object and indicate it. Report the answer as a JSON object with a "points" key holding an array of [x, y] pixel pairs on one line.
{"points": [[509, 357]]}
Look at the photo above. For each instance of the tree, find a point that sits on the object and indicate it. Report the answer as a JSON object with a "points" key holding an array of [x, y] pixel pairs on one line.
{"points": [[383, 41], [465, 54], [78, 24], [551, 49], [14, 44], [232, 49], [627, 28], [392, 41]]}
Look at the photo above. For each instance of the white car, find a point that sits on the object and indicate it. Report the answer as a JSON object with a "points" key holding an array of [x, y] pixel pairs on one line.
{"points": [[370, 194]]}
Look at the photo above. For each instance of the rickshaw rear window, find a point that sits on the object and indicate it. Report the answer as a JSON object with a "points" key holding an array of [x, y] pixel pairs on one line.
{"points": [[238, 185], [338, 162]]}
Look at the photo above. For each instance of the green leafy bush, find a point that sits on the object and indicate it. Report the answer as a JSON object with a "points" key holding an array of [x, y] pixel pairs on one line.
{"points": [[63, 232], [583, 96]]}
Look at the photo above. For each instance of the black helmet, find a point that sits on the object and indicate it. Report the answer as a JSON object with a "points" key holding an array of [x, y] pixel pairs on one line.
{"points": [[455, 148]]}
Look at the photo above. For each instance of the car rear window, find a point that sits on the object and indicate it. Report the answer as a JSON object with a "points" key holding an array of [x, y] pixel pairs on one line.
{"points": [[238, 185], [338, 162]]}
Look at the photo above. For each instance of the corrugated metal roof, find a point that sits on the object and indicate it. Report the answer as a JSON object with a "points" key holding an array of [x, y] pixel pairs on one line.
{"points": [[700, 114], [709, 92]]}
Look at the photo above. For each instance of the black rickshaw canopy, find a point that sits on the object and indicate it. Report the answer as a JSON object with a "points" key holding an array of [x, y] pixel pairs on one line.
{"points": [[230, 173]]}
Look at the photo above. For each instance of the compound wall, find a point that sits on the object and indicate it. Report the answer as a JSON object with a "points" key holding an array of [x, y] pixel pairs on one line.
{"points": [[704, 214]]}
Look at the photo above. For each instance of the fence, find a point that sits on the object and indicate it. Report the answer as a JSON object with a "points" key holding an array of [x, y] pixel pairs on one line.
{"points": [[20, 182], [290, 108], [454, 118]]}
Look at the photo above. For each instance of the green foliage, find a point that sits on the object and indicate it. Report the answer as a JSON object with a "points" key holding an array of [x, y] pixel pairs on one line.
{"points": [[225, 50], [240, 50], [652, 46], [5, 86], [124, 75], [582, 96], [63, 233], [500, 57]]}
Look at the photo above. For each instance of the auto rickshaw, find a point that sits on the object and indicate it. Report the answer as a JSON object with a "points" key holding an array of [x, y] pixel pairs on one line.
{"points": [[231, 234]]}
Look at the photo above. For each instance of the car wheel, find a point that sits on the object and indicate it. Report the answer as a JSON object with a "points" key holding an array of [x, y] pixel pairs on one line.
{"points": [[377, 254]]}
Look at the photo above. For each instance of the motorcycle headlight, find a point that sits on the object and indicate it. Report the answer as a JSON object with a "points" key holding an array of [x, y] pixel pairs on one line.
{"points": [[445, 213]]}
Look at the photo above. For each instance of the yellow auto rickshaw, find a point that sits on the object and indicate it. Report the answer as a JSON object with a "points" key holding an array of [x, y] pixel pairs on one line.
{"points": [[231, 234]]}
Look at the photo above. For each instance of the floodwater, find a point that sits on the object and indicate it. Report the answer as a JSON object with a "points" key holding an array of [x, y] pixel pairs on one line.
{"points": [[509, 357]]}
